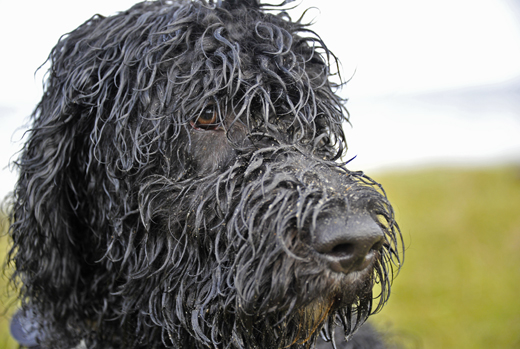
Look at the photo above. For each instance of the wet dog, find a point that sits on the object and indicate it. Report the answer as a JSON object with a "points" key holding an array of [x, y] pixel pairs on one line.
{"points": [[182, 187]]}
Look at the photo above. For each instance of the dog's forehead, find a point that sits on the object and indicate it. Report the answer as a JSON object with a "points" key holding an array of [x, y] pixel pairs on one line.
{"points": [[239, 38], [154, 68], [259, 61], [191, 51]]}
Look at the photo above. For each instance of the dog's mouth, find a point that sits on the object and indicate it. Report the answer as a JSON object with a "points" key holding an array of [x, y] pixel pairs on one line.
{"points": [[347, 286], [346, 303], [344, 280]]}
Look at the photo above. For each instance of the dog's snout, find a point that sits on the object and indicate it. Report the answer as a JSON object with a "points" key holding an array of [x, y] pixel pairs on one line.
{"points": [[348, 243]]}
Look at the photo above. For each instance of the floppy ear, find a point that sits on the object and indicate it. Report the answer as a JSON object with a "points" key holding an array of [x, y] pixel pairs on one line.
{"points": [[45, 228], [74, 214], [50, 229]]}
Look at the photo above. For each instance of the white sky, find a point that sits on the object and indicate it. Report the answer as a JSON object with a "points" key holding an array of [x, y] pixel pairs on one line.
{"points": [[396, 47], [399, 45], [414, 45]]}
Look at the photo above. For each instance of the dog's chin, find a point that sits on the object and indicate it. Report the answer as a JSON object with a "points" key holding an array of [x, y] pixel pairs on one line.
{"points": [[346, 289], [339, 292], [346, 294]]}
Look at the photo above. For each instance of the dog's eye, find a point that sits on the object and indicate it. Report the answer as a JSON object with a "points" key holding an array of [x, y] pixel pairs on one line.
{"points": [[207, 119]]}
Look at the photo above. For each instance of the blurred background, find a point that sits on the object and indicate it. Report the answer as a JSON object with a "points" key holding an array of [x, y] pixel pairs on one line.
{"points": [[434, 99]]}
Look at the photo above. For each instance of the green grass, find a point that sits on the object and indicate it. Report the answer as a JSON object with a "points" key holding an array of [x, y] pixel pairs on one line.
{"points": [[6, 293], [460, 284]]}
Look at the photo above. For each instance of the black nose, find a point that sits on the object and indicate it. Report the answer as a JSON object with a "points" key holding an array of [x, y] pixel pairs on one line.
{"points": [[350, 242]]}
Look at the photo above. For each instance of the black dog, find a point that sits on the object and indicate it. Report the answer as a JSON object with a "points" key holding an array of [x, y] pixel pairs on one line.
{"points": [[180, 188]]}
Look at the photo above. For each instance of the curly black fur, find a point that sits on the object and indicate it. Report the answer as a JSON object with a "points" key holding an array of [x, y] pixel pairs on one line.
{"points": [[179, 164]]}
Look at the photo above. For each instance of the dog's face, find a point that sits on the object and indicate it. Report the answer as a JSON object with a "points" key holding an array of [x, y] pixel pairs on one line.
{"points": [[181, 188]]}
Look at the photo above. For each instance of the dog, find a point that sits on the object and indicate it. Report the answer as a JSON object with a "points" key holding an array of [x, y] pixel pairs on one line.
{"points": [[182, 186]]}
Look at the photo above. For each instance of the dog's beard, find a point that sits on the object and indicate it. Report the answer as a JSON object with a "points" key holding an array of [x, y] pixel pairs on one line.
{"points": [[346, 303], [233, 265]]}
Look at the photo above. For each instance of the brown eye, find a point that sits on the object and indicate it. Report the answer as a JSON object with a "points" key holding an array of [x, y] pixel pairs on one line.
{"points": [[207, 119]]}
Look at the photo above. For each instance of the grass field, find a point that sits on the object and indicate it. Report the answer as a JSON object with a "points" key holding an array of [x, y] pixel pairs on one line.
{"points": [[6, 295], [459, 287], [461, 277]]}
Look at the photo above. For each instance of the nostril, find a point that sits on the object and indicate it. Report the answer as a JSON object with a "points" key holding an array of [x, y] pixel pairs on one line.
{"points": [[342, 250]]}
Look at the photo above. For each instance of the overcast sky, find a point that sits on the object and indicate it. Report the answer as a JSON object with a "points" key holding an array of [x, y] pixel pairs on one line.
{"points": [[398, 49], [396, 46]]}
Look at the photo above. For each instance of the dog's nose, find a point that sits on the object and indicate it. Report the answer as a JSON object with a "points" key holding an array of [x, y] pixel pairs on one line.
{"points": [[348, 243]]}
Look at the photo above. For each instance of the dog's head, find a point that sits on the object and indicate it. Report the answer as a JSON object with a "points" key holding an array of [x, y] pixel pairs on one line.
{"points": [[181, 186]]}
